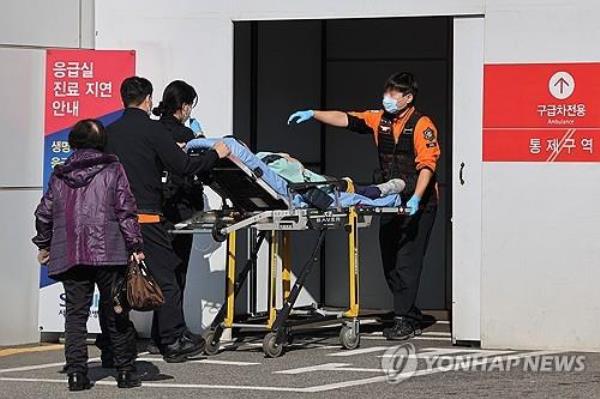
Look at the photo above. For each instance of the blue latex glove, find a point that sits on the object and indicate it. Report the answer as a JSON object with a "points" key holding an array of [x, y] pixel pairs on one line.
{"points": [[413, 204], [195, 126], [302, 116]]}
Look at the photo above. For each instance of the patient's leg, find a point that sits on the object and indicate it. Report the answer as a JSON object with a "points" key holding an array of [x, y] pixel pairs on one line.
{"points": [[372, 192], [393, 186]]}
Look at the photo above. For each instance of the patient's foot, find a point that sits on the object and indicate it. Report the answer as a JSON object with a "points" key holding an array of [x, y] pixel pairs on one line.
{"points": [[393, 186]]}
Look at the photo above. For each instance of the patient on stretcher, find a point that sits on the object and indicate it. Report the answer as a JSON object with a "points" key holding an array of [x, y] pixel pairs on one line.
{"points": [[294, 171], [278, 170]]}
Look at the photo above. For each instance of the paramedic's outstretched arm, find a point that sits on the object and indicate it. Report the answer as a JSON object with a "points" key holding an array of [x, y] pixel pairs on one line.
{"points": [[332, 118]]}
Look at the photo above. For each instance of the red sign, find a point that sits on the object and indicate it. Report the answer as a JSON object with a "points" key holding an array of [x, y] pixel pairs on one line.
{"points": [[80, 84], [541, 113], [84, 84]]}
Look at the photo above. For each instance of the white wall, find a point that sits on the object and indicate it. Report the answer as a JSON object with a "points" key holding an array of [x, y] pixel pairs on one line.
{"points": [[193, 40], [20, 191], [466, 193], [539, 281], [538, 255], [22, 49], [273, 9]]}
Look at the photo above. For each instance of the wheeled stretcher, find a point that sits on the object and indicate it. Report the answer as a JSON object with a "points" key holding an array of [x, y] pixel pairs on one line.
{"points": [[271, 217]]}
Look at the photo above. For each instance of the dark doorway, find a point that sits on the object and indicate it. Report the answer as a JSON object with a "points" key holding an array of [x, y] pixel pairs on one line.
{"points": [[284, 66]]}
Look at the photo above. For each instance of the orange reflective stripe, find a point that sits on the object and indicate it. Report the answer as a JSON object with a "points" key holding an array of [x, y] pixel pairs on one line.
{"points": [[148, 218], [427, 148]]}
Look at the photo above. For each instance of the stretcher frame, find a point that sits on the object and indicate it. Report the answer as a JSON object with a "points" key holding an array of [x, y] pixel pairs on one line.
{"points": [[273, 217]]}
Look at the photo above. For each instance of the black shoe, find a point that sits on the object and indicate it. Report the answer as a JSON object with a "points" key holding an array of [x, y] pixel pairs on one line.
{"points": [[183, 348], [79, 382], [128, 379], [193, 337], [401, 330], [387, 317], [152, 348]]}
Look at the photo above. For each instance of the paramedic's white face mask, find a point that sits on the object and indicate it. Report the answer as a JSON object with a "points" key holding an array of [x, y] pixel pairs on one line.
{"points": [[390, 104], [395, 102]]}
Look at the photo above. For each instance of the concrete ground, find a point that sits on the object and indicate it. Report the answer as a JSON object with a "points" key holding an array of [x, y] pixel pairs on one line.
{"points": [[314, 366]]}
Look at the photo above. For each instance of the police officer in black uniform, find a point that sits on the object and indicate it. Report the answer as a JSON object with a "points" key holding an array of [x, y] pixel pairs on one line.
{"points": [[146, 149], [408, 149]]}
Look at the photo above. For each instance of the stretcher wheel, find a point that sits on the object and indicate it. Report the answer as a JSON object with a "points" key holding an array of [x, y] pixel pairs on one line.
{"points": [[212, 344], [270, 346], [349, 338], [216, 232]]}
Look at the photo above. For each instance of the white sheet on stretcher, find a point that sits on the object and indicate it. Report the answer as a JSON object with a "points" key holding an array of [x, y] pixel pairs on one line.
{"points": [[279, 184]]}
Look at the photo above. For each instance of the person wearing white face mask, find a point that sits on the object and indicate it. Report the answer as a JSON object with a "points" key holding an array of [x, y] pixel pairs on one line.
{"points": [[146, 149], [182, 195], [408, 149]]}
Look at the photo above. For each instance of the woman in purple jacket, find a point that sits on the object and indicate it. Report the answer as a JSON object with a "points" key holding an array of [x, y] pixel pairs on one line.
{"points": [[87, 230]]}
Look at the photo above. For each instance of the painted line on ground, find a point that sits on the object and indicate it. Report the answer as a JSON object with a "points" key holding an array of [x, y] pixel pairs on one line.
{"points": [[420, 355], [203, 361], [425, 333], [167, 385], [50, 365], [371, 380], [30, 349], [313, 389], [34, 367], [361, 351], [419, 338], [310, 369], [41, 366]]}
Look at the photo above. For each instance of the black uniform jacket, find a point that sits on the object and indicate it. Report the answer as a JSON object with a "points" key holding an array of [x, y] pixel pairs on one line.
{"points": [[146, 149]]}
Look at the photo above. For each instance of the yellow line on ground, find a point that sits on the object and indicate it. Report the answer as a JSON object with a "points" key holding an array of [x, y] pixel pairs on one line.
{"points": [[29, 349]]}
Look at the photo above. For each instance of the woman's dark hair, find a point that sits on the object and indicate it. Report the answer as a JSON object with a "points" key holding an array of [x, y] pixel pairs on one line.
{"points": [[134, 90], [88, 133], [175, 95], [404, 82]]}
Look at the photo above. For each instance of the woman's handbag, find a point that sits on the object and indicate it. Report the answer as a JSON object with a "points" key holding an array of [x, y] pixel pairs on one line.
{"points": [[138, 291]]}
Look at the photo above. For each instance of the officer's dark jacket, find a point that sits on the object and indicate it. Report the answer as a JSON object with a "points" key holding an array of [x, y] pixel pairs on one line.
{"points": [[146, 149], [182, 195]]}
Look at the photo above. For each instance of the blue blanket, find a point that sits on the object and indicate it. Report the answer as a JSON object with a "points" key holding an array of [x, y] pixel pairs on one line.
{"points": [[279, 184]]}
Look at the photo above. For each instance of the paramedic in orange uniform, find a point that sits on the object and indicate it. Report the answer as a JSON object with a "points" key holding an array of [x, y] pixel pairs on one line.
{"points": [[408, 148]]}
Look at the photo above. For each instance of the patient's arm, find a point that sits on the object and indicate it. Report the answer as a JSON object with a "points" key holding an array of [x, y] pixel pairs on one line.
{"points": [[332, 118]]}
